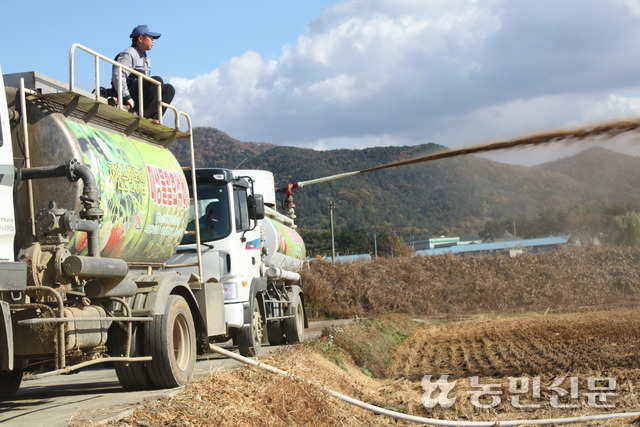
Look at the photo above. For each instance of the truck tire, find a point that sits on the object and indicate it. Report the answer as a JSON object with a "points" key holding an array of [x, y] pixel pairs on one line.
{"points": [[249, 338], [10, 382], [132, 375], [171, 342], [294, 326], [274, 332]]}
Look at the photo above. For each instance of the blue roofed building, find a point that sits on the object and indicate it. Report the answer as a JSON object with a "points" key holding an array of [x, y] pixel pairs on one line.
{"points": [[513, 247]]}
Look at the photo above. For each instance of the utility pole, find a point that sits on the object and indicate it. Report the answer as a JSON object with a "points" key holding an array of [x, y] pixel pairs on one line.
{"points": [[333, 243], [375, 245]]}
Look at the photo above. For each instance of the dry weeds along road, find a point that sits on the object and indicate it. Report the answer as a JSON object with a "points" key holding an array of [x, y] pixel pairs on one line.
{"points": [[505, 352], [560, 280], [92, 395]]}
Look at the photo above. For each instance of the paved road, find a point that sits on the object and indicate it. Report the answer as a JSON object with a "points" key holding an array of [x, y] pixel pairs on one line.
{"points": [[94, 395]]}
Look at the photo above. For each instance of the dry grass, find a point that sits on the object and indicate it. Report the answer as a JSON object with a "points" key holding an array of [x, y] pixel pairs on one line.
{"points": [[561, 280], [254, 397], [370, 343], [492, 347], [492, 339]]}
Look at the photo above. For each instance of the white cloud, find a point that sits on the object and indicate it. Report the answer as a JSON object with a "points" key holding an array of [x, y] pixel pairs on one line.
{"points": [[373, 72]]}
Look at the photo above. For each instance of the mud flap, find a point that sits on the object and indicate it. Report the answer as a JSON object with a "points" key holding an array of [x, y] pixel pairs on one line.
{"points": [[6, 338]]}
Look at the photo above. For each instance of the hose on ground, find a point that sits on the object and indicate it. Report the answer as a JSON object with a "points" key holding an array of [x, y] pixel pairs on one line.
{"points": [[416, 419]]}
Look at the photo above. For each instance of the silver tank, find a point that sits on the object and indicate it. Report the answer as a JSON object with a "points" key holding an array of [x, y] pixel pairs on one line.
{"points": [[142, 188], [285, 247]]}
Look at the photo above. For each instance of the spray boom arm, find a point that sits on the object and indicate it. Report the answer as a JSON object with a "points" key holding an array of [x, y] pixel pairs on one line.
{"points": [[607, 130]]}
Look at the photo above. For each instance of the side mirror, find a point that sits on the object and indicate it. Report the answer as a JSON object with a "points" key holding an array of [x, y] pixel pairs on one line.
{"points": [[256, 207]]}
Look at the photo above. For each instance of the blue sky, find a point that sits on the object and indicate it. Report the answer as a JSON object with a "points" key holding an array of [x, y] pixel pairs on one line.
{"points": [[359, 73], [197, 36]]}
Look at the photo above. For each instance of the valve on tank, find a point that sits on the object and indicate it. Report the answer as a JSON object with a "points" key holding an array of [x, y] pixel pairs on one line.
{"points": [[44, 257], [54, 224]]}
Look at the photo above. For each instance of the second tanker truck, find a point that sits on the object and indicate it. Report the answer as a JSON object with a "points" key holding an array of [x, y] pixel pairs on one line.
{"points": [[110, 251]]}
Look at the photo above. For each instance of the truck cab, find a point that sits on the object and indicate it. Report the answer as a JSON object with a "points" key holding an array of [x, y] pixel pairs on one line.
{"points": [[230, 218], [227, 216]]}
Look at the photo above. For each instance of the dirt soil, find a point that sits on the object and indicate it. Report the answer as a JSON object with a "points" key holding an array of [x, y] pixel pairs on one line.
{"points": [[510, 351], [534, 344], [512, 354]]}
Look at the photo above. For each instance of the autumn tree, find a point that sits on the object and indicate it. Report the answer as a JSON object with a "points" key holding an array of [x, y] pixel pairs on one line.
{"points": [[627, 228]]}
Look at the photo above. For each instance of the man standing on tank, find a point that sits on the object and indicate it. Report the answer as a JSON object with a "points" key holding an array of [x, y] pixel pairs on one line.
{"points": [[135, 56]]}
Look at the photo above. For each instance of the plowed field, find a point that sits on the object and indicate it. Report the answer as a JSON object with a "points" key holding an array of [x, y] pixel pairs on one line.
{"points": [[581, 363], [533, 344]]}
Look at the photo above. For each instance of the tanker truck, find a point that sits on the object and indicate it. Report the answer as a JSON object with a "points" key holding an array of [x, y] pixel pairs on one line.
{"points": [[111, 251]]}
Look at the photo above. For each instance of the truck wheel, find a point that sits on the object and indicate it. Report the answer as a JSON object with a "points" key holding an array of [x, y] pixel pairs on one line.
{"points": [[294, 326], [249, 337], [132, 375], [171, 342], [274, 333], [10, 382]]}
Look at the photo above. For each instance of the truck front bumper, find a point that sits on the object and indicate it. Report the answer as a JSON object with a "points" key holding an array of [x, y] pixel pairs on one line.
{"points": [[236, 313]]}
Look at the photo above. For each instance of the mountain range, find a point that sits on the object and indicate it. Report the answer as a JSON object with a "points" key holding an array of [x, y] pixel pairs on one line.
{"points": [[455, 195]]}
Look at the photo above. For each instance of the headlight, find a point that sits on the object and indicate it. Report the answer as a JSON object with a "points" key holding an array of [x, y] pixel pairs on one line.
{"points": [[230, 290]]}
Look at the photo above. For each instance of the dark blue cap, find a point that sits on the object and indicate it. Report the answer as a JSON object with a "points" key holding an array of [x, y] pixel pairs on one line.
{"points": [[143, 30]]}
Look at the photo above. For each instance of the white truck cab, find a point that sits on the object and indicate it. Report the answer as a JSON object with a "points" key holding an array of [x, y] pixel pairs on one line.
{"points": [[238, 245]]}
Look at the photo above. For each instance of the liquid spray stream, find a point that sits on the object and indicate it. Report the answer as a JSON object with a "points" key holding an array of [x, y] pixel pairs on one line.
{"points": [[605, 130]]}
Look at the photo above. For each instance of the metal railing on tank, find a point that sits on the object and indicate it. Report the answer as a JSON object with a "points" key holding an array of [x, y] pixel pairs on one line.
{"points": [[98, 57]]}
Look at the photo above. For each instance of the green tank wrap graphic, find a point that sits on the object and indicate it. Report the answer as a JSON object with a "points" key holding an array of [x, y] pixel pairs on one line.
{"points": [[143, 194], [289, 241]]}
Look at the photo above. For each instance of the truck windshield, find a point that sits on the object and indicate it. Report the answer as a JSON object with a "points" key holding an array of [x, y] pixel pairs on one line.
{"points": [[213, 214]]}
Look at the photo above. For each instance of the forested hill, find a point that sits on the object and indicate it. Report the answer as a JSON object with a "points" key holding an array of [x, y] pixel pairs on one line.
{"points": [[455, 195], [215, 148]]}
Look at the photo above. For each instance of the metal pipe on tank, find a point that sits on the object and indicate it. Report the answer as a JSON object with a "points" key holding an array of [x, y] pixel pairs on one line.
{"points": [[84, 266], [42, 172], [277, 273], [92, 228], [90, 192], [73, 171], [91, 213]]}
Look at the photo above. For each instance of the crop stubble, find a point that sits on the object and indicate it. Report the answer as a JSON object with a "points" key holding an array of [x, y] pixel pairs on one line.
{"points": [[532, 344], [582, 345]]}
